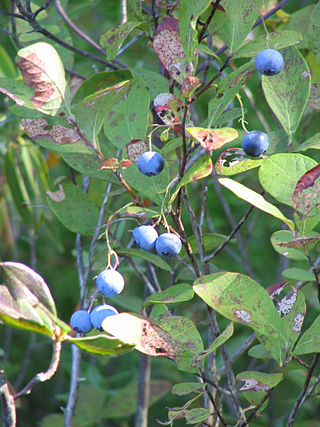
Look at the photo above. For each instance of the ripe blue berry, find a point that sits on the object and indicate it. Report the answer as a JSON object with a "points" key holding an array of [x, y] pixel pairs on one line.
{"points": [[145, 237], [100, 312], [168, 244], [80, 321], [255, 143], [150, 163], [269, 62], [110, 282]]}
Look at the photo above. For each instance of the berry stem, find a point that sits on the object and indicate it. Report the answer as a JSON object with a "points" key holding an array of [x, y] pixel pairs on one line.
{"points": [[263, 22], [242, 114]]}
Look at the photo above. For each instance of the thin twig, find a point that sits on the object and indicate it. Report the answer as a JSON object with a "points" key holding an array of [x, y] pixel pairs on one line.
{"points": [[233, 232], [214, 403], [8, 404], [206, 24], [256, 409], [303, 393], [74, 386], [43, 376], [141, 419]]}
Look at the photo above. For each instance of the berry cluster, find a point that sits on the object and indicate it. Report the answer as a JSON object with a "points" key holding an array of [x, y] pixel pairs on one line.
{"points": [[147, 238], [268, 62], [109, 283]]}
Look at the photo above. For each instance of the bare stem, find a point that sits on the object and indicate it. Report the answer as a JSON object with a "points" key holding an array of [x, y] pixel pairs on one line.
{"points": [[43, 376], [141, 419], [303, 393], [7, 401], [74, 386], [315, 272], [204, 28]]}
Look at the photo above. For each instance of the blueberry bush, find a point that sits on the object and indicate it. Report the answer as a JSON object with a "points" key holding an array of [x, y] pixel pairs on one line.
{"points": [[160, 193]]}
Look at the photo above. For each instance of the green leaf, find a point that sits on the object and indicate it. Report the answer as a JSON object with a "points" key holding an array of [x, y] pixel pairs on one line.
{"points": [[197, 415], [74, 209], [311, 143], [185, 332], [241, 299], [154, 81], [151, 187], [43, 71], [201, 169], [240, 17], [147, 337], [256, 384], [221, 339], [295, 273], [88, 163], [310, 340], [255, 199], [188, 14], [125, 121], [26, 302], [92, 111], [26, 174], [294, 314], [314, 31], [113, 39], [287, 92], [7, 69], [100, 81], [227, 90], [18, 276], [176, 293], [278, 40], [233, 161], [123, 402], [148, 256], [139, 212], [17, 91], [100, 344], [283, 236], [280, 173], [182, 389], [212, 139], [300, 20]]}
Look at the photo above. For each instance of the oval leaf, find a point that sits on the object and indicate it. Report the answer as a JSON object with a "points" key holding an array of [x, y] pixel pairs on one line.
{"points": [[212, 139], [255, 199], [233, 161], [287, 92]]}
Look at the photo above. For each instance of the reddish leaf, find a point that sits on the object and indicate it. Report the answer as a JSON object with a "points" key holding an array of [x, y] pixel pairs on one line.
{"points": [[306, 196], [111, 163], [167, 46], [135, 148], [189, 85], [169, 109]]}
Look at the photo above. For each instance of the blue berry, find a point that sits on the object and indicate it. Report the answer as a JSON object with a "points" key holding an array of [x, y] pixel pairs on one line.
{"points": [[150, 163], [100, 312], [145, 237], [110, 282], [168, 245], [255, 143], [80, 321], [269, 62]]}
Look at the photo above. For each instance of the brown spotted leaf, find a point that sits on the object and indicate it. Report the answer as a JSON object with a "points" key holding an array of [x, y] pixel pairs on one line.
{"points": [[189, 85], [241, 299], [167, 46], [306, 196], [43, 71], [301, 242], [141, 332], [39, 128], [113, 163], [213, 139], [135, 148], [258, 381], [233, 161], [314, 97]]}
